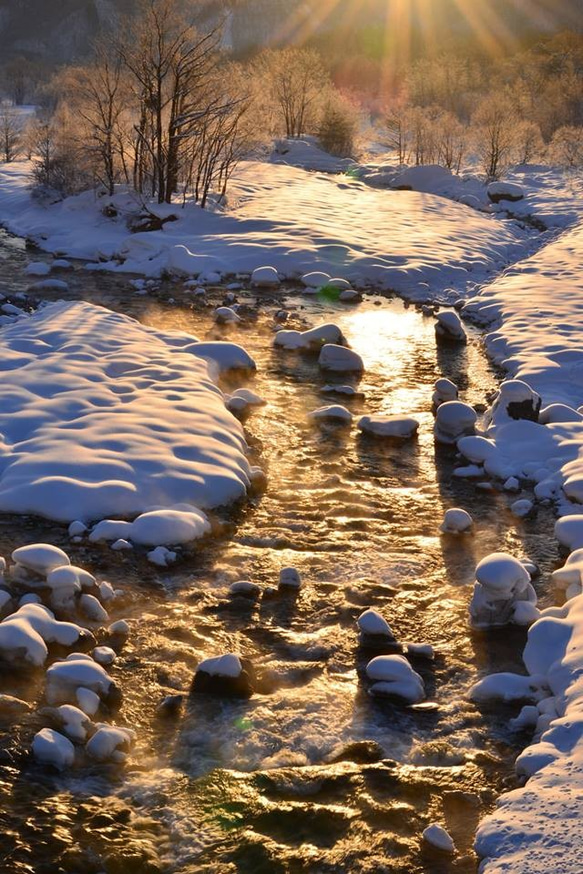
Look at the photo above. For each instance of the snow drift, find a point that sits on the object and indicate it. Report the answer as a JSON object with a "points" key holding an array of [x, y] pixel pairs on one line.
{"points": [[102, 416]]}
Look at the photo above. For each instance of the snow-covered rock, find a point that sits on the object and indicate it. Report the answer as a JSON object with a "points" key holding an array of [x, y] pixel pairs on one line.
{"points": [[41, 558], [265, 277], [375, 633], [449, 328], [569, 578], [316, 279], [226, 675], [311, 340], [332, 413], [515, 400], [393, 676], [453, 421], [156, 528], [63, 679], [436, 836], [339, 359], [456, 521], [26, 635], [445, 390], [505, 191], [72, 721], [290, 578], [391, 427], [569, 531], [226, 315], [110, 743], [503, 593], [49, 747]]}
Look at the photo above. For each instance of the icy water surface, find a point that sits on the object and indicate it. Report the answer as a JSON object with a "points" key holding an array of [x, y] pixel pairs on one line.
{"points": [[315, 776]]}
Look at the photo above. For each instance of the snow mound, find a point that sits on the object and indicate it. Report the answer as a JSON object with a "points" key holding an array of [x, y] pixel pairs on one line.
{"points": [[503, 593], [156, 528], [49, 747], [456, 521], [102, 415]]}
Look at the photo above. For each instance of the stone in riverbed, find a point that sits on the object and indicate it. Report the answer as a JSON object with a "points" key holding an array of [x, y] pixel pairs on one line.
{"points": [[227, 676]]}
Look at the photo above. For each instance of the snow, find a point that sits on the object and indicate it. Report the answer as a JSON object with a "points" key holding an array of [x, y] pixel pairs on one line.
{"points": [[445, 390], [392, 675], [335, 225], [498, 191], [49, 747], [73, 721], [396, 427], [95, 409]]}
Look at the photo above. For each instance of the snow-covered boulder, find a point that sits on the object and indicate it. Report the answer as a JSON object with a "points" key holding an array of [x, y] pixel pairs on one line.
{"points": [[392, 676], [226, 675], [350, 296], [569, 531], [224, 357], [339, 359], [26, 635], [453, 421], [569, 578], [333, 413], [49, 747], [444, 390], [242, 401], [290, 578], [390, 427], [40, 558], [226, 315], [37, 268], [310, 341], [503, 593], [559, 413], [156, 528], [375, 632], [71, 720], [437, 837], [63, 679], [449, 328], [110, 743], [316, 279], [515, 400], [500, 191], [456, 521], [265, 277], [427, 178], [245, 589]]}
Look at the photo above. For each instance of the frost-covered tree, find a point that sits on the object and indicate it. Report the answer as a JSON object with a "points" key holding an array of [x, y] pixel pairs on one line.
{"points": [[566, 147], [338, 126]]}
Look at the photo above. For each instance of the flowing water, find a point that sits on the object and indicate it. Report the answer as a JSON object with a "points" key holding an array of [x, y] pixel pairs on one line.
{"points": [[315, 776]]}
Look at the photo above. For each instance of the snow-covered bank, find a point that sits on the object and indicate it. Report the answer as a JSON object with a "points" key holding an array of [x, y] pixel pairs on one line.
{"points": [[538, 828], [538, 310], [417, 244], [102, 416]]}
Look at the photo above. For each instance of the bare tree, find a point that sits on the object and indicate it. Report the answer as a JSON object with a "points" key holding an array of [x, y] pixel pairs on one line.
{"points": [[171, 64], [566, 147], [10, 132], [296, 81], [495, 128], [96, 94]]}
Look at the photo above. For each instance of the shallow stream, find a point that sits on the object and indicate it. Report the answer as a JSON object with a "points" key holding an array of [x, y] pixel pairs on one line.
{"points": [[316, 776]]}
